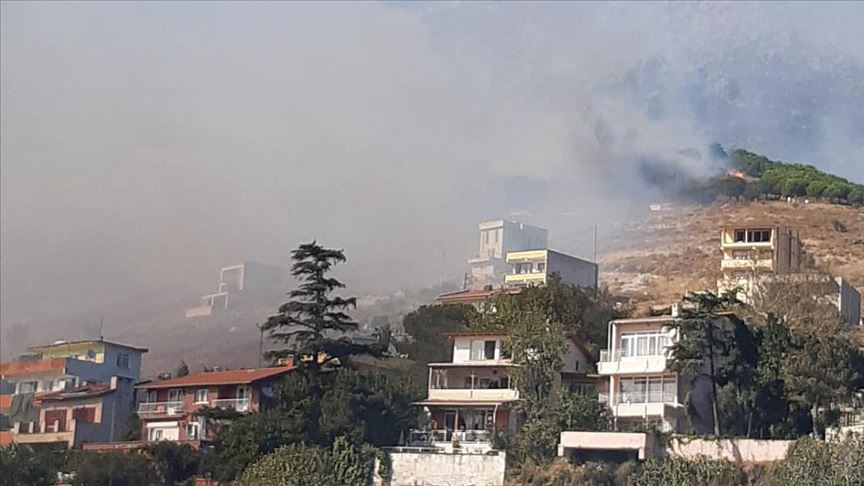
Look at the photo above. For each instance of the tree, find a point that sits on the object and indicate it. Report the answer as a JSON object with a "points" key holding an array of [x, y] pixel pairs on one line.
{"points": [[313, 314], [112, 468], [174, 462], [22, 466], [856, 195], [818, 371], [816, 188], [182, 369], [426, 326], [731, 186], [704, 337]]}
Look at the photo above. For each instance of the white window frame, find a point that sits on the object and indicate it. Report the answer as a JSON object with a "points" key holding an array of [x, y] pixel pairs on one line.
{"points": [[199, 392]]}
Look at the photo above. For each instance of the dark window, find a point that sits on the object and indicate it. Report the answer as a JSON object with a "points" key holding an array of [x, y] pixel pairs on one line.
{"points": [[123, 361], [740, 236], [84, 414], [489, 351]]}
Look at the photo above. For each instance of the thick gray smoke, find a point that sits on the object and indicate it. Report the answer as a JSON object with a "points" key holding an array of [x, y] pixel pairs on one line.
{"points": [[144, 145]]}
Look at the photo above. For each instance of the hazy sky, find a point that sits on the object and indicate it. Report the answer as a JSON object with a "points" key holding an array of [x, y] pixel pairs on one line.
{"points": [[145, 144]]}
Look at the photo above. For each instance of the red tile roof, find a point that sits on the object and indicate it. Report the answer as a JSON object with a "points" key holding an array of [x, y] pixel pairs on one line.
{"points": [[86, 391], [232, 377], [24, 367]]}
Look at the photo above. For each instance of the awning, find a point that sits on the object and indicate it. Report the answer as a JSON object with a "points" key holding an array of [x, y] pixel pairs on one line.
{"points": [[22, 409]]}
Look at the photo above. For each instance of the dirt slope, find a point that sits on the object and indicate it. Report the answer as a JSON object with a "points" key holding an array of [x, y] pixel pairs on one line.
{"points": [[657, 259]]}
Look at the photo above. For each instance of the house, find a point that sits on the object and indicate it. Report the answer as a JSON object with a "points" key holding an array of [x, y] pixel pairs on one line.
{"points": [[750, 251], [243, 281], [534, 267], [480, 299], [473, 394], [60, 367], [640, 388], [497, 238], [168, 409], [94, 412]]}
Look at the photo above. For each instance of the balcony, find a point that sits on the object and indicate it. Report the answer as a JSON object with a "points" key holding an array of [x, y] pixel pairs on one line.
{"points": [[238, 404], [534, 278], [479, 394], [736, 264], [643, 404], [155, 409], [471, 383], [468, 441], [614, 363]]}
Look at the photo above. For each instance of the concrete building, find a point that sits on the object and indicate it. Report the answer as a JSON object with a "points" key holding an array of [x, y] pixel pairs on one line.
{"points": [[473, 394], [534, 267], [751, 251], [66, 372], [168, 408], [497, 238], [244, 280]]}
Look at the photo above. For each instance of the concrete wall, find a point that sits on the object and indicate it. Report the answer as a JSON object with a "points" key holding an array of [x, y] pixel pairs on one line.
{"points": [[849, 302], [571, 269], [430, 469], [736, 450]]}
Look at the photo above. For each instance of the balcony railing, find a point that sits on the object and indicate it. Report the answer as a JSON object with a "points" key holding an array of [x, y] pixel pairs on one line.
{"points": [[628, 398], [160, 408], [430, 437], [607, 357], [238, 404]]}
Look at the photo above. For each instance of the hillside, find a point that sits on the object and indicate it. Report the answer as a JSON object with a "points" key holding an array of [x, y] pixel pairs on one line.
{"points": [[656, 259]]}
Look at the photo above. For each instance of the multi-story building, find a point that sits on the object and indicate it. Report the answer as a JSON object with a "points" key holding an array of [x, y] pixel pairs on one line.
{"points": [[497, 238], [640, 388], [168, 409], [247, 280], [473, 394], [534, 267], [64, 367], [751, 251]]}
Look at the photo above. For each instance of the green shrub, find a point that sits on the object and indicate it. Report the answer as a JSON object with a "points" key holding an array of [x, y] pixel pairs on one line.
{"points": [[814, 462], [700, 471], [113, 468]]}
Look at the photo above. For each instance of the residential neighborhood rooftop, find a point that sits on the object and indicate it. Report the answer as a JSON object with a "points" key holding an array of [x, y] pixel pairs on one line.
{"points": [[231, 377]]}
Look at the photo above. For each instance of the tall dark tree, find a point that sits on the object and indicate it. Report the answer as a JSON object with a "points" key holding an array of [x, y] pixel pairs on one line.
{"points": [[313, 322], [705, 339]]}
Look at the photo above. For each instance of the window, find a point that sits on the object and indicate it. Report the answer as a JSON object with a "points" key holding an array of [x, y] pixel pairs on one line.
{"points": [[27, 386], [84, 415], [490, 350], [652, 389], [69, 383], [123, 360], [637, 344], [47, 385], [482, 350], [759, 235], [174, 395], [156, 434], [151, 396], [192, 429], [740, 236], [541, 267], [201, 395]]}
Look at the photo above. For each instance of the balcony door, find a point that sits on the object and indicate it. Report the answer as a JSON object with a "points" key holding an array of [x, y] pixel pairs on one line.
{"points": [[244, 398]]}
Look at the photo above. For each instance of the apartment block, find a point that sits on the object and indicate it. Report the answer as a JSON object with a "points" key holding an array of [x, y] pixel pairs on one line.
{"points": [[751, 251], [497, 238], [68, 373], [168, 409], [534, 267]]}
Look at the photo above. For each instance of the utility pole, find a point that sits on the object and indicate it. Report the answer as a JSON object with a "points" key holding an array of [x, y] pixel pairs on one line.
{"points": [[260, 345]]}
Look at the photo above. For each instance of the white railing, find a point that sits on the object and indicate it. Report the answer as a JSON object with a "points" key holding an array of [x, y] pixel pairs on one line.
{"points": [[160, 408], [238, 404], [430, 437], [646, 397], [607, 357], [603, 398]]}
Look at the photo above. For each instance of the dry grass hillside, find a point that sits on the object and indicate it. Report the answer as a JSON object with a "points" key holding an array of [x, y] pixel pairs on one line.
{"points": [[657, 259]]}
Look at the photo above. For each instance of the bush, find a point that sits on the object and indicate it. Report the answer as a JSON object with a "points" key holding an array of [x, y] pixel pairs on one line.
{"points": [[113, 468], [701, 471], [21, 466], [814, 462], [301, 465], [174, 462]]}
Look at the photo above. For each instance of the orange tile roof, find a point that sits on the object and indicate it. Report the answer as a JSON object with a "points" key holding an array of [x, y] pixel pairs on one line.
{"points": [[474, 294], [233, 377], [21, 367], [5, 402]]}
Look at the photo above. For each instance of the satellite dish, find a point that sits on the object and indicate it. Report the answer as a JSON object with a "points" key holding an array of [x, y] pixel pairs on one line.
{"points": [[91, 353]]}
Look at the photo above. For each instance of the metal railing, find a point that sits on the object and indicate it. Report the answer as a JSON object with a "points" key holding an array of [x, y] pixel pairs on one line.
{"points": [[429, 437], [633, 398], [607, 357], [238, 404], [160, 408]]}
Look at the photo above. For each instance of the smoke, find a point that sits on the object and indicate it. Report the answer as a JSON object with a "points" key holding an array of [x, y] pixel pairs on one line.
{"points": [[144, 145]]}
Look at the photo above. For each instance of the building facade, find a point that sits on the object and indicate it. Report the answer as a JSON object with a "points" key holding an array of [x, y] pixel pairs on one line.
{"points": [[752, 251], [473, 394], [534, 267], [497, 238], [57, 372], [168, 409]]}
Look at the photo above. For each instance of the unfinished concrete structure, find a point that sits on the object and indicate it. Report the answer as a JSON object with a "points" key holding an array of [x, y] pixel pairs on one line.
{"points": [[535, 267], [238, 281], [752, 251]]}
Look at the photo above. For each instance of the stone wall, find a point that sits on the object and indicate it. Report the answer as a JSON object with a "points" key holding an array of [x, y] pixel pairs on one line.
{"points": [[735, 450], [432, 469]]}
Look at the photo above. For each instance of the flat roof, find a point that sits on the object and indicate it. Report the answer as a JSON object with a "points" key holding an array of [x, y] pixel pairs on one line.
{"points": [[465, 403], [64, 344], [230, 377]]}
